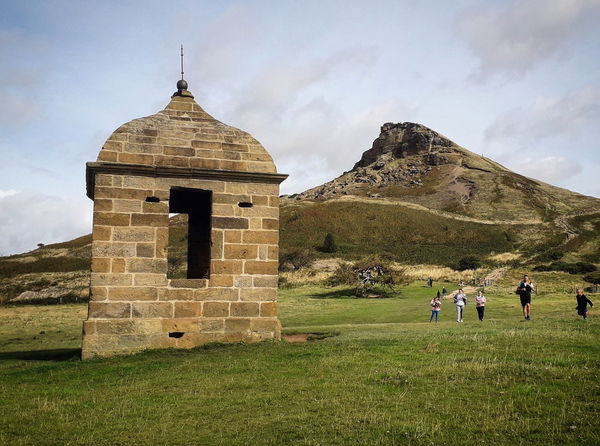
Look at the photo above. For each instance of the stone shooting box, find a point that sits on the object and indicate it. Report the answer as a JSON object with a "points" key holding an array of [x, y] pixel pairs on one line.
{"points": [[224, 188]]}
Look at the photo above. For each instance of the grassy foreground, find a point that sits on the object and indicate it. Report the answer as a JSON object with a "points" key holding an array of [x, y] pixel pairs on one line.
{"points": [[387, 377]]}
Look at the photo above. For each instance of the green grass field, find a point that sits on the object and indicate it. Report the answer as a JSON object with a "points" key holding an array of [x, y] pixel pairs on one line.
{"points": [[384, 376]]}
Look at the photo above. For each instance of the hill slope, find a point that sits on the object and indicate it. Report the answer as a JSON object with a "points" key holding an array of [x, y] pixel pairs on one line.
{"points": [[433, 185], [412, 163]]}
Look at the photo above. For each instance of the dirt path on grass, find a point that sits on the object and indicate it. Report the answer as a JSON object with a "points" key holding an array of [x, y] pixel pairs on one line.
{"points": [[388, 202]]}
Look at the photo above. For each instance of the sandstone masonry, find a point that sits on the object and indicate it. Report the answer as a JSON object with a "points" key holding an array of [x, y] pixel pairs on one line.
{"points": [[181, 159]]}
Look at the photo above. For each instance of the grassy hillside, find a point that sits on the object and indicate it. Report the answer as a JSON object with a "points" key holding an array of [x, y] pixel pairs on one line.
{"points": [[409, 235], [384, 376], [414, 235]]}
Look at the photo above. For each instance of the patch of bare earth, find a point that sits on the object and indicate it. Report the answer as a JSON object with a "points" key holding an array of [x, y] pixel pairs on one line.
{"points": [[297, 337]]}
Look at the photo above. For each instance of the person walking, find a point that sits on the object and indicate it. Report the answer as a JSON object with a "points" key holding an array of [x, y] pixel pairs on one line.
{"points": [[524, 289], [582, 303], [436, 304], [460, 300], [444, 292], [480, 305]]}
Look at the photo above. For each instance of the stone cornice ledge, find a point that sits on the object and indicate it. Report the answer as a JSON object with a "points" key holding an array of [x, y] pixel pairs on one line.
{"points": [[175, 172]]}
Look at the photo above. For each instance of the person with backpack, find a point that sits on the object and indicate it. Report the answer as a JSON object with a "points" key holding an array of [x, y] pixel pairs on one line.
{"points": [[460, 300], [524, 289], [436, 304], [480, 305], [582, 303]]}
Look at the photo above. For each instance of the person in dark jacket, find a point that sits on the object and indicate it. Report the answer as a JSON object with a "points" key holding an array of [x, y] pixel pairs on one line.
{"points": [[524, 289], [582, 303]]}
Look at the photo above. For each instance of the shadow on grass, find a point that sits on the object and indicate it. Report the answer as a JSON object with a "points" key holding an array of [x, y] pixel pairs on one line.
{"points": [[345, 293], [350, 293], [61, 354]]}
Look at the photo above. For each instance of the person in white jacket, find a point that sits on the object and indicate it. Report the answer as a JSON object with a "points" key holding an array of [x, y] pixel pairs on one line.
{"points": [[460, 300]]}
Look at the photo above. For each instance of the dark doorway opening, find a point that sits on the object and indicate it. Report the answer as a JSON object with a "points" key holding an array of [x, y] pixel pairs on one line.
{"points": [[194, 206]]}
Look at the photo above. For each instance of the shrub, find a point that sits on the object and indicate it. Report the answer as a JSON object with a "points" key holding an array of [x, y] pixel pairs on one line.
{"points": [[592, 277], [469, 262], [295, 260], [571, 268], [329, 244], [343, 275]]}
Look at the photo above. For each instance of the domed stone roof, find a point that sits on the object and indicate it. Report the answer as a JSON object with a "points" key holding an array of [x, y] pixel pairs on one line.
{"points": [[184, 135]]}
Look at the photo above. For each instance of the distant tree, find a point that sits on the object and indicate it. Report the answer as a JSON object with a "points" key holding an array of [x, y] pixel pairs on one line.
{"points": [[592, 277], [469, 262], [40, 245], [329, 244]]}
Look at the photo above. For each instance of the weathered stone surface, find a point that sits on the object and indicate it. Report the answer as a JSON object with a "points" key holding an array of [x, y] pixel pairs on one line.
{"points": [[145, 250], [148, 279], [101, 233], [188, 309], [129, 234], [150, 220], [230, 223], [165, 294], [215, 309], [226, 267], [221, 280], [100, 265], [111, 219], [132, 293], [109, 279], [241, 251], [244, 309], [110, 310], [268, 309], [265, 281], [258, 267], [158, 266], [263, 237], [270, 223], [188, 283], [258, 294], [229, 294], [152, 310], [127, 206]]}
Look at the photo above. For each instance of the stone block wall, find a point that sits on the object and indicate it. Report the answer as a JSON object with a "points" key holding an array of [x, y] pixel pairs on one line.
{"points": [[135, 306]]}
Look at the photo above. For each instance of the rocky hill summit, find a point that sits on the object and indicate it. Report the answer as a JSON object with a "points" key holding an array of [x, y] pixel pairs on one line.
{"points": [[409, 162]]}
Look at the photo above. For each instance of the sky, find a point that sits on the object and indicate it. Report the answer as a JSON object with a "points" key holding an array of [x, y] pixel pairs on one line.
{"points": [[313, 80]]}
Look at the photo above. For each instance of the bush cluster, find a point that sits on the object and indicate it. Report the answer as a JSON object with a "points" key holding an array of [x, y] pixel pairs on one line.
{"points": [[593, 277], [469, 262], [571, 268], [295, 259]]}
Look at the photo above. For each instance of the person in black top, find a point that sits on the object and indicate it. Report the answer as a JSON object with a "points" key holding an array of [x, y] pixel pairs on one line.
{"points": [[524, 290], [582, 303]]}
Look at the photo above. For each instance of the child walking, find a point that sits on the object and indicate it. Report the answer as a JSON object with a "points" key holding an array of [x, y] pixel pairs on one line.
{"points": [[436, 303], [480, 305], [582, 303], [460, 300]]}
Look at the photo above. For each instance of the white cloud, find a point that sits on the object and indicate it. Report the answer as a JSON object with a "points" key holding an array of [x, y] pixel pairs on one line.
{"points": [[513, 38], [7, 193], [27, 219], [548, 117], [556, 170]]}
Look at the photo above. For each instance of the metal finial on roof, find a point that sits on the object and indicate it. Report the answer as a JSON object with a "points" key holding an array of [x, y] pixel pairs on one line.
{"points": [[181, 62], [182, 84]]}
